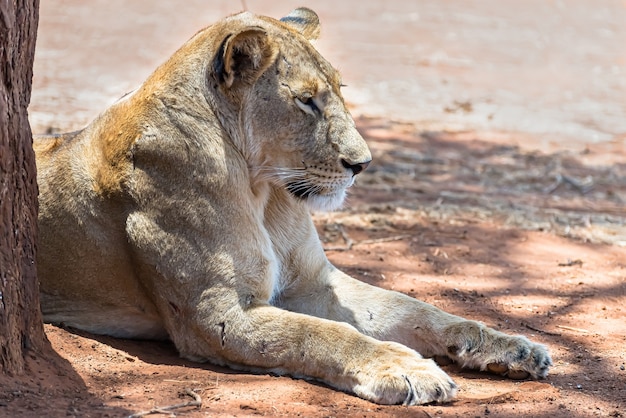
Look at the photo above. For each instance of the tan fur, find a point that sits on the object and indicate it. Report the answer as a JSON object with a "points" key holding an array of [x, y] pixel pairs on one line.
{"points": [[182, 212]]}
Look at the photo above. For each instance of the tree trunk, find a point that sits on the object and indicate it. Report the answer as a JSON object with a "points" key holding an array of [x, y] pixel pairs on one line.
{"points": [[21, 328]]}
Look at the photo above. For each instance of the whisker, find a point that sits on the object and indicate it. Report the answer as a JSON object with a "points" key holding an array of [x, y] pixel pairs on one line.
{"points": [[299, 181], [280, 175], [272, 168]]}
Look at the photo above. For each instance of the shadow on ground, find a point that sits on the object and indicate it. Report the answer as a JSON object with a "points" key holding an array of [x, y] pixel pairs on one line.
{"points": [[527, 242]]}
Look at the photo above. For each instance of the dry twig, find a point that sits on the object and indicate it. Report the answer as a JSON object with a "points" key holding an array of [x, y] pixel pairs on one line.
{"points": [[385, 239], [570, 263], [573, 329], [350, 243], [530, 327], [583, 186], [197, 402], [182, 381]]}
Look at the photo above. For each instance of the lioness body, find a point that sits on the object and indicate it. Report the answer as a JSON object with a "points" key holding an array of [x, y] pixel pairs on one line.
{"points": [[182, 212]]}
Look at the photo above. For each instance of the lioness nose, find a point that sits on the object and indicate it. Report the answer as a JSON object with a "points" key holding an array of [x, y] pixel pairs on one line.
{"points": [[355, 167]]}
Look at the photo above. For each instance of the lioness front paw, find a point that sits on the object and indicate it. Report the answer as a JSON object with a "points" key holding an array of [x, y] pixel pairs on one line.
{"points": [[476, 346], [399, 375]]}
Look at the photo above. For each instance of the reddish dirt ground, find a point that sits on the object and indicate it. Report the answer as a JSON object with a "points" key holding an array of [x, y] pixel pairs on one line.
{"points": [[497, 192]]}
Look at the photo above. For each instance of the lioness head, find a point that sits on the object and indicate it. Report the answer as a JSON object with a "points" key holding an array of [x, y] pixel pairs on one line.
{"points": [[296, 130]]}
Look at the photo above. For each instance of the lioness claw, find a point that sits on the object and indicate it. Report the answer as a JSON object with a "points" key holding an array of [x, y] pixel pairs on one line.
{"points": [[518, 374], [497, 368]]}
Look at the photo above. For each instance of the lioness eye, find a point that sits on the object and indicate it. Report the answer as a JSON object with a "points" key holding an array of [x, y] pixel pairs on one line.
{"points": [[308, 105]]}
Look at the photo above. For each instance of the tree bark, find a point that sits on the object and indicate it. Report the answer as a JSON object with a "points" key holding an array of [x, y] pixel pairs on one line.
{"points": [[21, 328]]}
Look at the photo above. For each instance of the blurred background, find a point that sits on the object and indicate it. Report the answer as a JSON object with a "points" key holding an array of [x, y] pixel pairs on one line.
{"points": [[553, 69]]}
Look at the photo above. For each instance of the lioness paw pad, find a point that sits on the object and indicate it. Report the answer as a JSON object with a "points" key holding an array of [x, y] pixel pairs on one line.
{"points": [[529, 360]]}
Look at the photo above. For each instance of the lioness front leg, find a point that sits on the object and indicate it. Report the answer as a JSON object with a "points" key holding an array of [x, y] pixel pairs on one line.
{"points": [[260, 337], [388, 315]]}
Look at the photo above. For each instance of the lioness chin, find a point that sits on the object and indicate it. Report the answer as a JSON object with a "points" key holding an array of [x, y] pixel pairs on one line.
{"points": [[182, 212]]}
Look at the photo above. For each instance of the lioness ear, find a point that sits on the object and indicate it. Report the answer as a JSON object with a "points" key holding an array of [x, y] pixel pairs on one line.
{"points": [[243, 57], [305, 21]]}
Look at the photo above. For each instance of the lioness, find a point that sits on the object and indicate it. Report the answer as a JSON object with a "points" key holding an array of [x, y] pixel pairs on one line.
{"points": [[182, 212]]}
